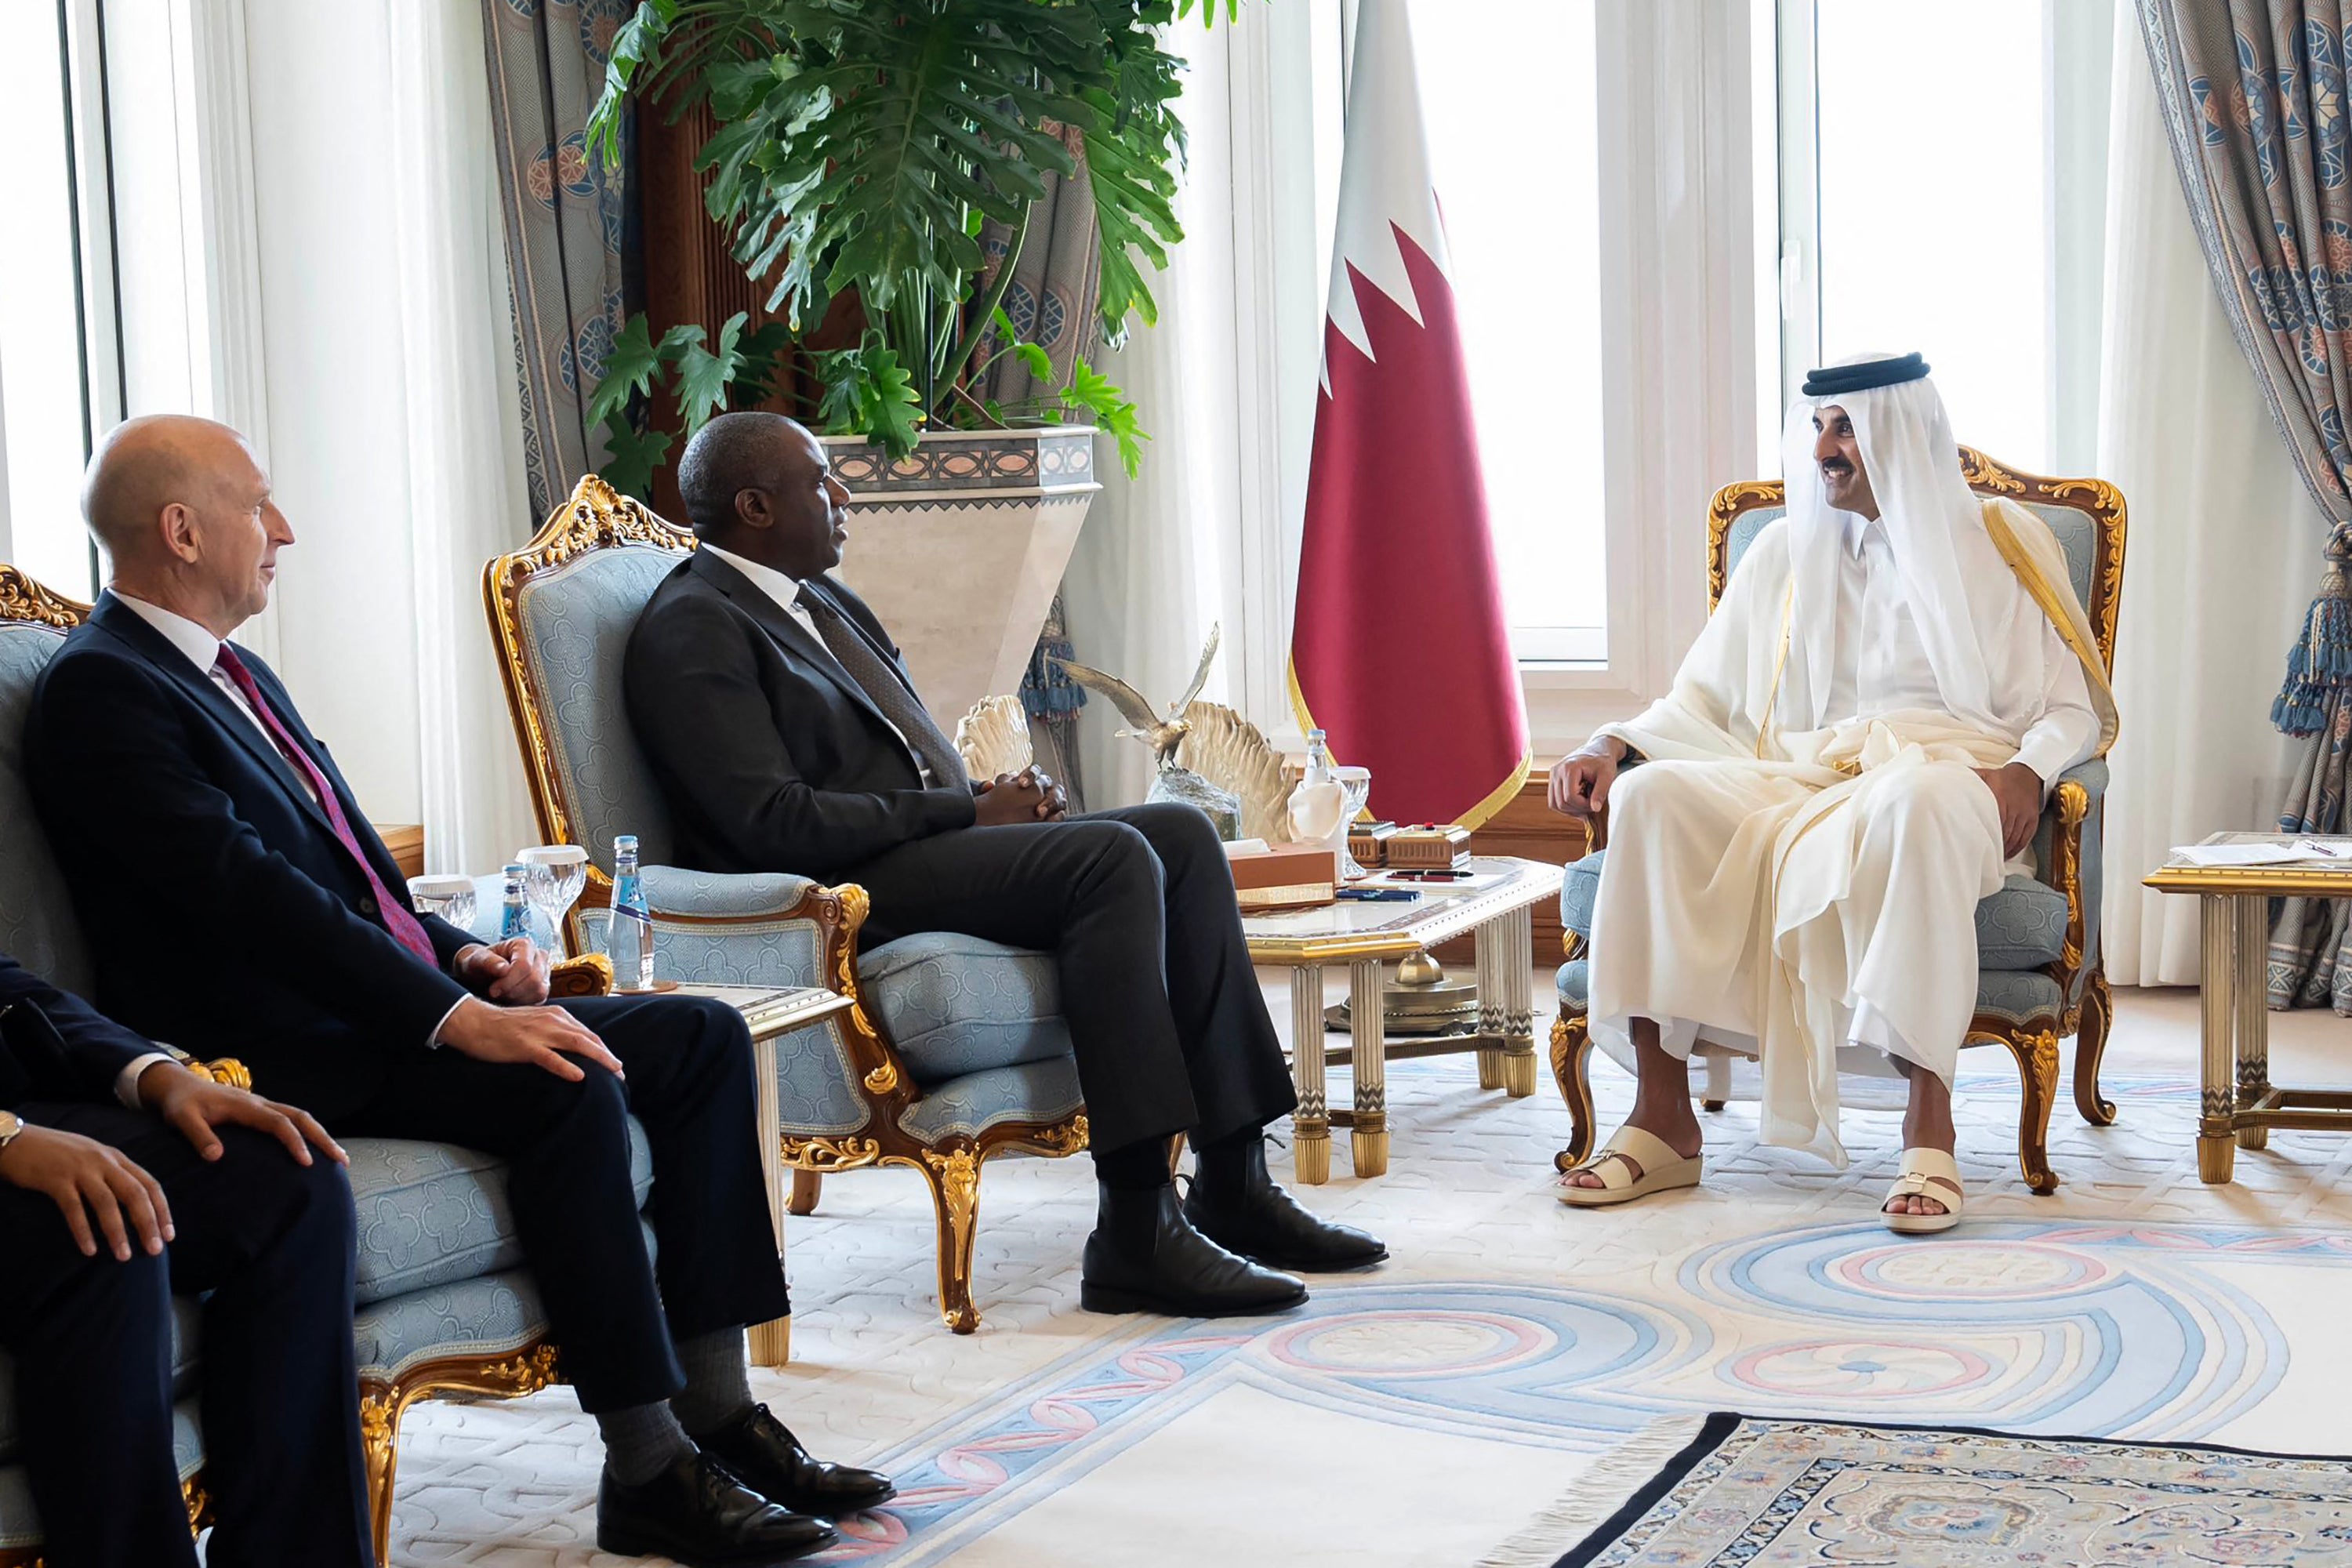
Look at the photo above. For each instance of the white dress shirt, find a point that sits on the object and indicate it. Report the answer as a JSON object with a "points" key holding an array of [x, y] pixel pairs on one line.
{"points": [[202, 649], [1881, 664], [785, 589]]}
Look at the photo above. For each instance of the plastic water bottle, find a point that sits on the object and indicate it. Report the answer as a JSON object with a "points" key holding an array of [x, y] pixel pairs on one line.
{"points": [[514, 917], [1317, 804], [632, 947]]}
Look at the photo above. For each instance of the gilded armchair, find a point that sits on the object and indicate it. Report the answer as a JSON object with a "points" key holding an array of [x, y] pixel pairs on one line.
{"points": [[2041, 975], [956, 1050], [444, 1302]]}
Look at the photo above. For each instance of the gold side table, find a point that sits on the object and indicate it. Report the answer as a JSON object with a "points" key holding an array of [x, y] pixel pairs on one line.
{"points": [[2238, 1105], [1497, 903], [770, 1013]]}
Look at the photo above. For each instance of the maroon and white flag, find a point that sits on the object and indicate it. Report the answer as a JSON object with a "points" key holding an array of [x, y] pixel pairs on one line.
{"points": [[1399, 650]]}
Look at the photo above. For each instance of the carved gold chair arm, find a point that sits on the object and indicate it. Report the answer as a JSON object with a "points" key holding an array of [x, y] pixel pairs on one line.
{"points": [[590, 975], [221, 1070], [2071, 802]]}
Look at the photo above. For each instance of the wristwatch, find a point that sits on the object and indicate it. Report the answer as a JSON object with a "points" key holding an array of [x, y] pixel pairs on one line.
{"points": [[10, 1125]]}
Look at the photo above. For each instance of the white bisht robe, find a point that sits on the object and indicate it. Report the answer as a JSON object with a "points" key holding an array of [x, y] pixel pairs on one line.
{"points": [[1786, 883]]}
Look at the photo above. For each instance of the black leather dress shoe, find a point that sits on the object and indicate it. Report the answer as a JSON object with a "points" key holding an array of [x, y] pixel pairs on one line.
{"points": [[1145, 1258], [768, 1459], [1237, 1205], [697, 1512]]}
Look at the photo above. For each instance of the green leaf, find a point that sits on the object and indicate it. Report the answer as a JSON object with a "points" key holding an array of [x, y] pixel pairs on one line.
{"points": [[629, 467], [629, 367], [1040, 362], [1092, 394], [762, 355], [868, 392], [703, 375]]}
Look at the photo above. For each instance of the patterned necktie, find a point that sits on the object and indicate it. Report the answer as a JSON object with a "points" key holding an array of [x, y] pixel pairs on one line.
{"points": [[405, 927], [882, 685]]}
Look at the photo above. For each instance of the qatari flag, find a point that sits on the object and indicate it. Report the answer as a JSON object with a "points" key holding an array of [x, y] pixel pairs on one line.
{"points": [[1398, 651]]}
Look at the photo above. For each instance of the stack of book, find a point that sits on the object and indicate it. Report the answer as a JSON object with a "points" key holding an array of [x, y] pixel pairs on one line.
{"points": [[1282, 876]]}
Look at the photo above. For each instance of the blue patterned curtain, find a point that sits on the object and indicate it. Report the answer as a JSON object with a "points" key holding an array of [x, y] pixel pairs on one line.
{"points": [[568, 222], [2253, 95]]}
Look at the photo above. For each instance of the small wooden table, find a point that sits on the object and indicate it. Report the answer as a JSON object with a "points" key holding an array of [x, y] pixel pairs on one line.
{"points": [[2240, 1105], [1496, 902], [771, 1012]]}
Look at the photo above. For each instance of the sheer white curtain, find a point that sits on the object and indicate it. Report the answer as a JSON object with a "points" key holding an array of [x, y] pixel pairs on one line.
{"points": [[463, 451], [2224, 539], [1143, 586]]}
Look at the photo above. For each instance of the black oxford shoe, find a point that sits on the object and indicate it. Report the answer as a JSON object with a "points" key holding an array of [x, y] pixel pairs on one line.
{"points": [[768, 1459], [699, 1513], [1144, 1257], [1238, 1205]]}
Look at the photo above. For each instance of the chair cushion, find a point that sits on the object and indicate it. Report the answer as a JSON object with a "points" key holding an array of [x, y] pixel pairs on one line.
{"points": [[575, 622], [2020, 996], [36, 924], [20, 1524], [432, 1213], [2022, 926], [186, 1315], [1031, 1091], [956, 1004], [489, 1316], [2077, 534]]}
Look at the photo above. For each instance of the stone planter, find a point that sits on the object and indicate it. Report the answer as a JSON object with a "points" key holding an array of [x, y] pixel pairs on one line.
{"points": [[959, 548]]}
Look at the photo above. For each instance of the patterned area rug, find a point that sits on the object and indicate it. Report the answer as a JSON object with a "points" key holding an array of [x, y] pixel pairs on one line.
{"points": [[1418, 1415], [1793, 1494]]}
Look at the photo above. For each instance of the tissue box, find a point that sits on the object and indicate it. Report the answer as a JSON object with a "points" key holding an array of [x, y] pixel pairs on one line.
{"points": [[1283, 875]]}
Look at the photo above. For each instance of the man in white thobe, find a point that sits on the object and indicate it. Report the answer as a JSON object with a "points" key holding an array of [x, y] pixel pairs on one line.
{"points": [[1854, 752]]}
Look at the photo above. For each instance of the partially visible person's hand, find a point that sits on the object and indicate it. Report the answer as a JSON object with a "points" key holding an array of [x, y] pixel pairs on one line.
{"points": [[195, 1105], [1580, 780], [1008, 800], [546, 1038], [513, 973], [1054, 805], [2018, 790], [91, 1182]]}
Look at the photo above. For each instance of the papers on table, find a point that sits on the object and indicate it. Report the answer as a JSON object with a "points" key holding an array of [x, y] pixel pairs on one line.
{"points": [[2268, 852]]}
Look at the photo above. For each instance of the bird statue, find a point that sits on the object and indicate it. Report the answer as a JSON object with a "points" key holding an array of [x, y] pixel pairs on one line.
{"points": [[1162, 735], [1166, 735]]}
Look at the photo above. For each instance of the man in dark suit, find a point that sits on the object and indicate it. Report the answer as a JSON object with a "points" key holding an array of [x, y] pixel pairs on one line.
{"points": [[124, 1178], [788, 737], [236, 895]]}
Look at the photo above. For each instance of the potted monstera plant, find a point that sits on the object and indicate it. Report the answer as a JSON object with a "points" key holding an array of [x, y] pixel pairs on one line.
{"points": [[897, 152]]}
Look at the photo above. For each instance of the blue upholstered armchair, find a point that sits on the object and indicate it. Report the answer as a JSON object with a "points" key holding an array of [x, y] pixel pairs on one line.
{"points": [[2040, 978], [956, 1050], [444, 1303]]}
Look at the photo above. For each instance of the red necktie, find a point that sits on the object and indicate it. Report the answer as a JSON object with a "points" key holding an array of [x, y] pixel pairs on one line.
{"points": [[405, 927]]}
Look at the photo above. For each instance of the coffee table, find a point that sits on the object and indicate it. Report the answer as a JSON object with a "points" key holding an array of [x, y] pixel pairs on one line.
{"points": [[2240, 1105], [1494, 902], [771, 1012]]}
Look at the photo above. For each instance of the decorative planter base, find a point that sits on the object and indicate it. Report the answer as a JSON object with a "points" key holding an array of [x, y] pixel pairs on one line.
{"points": [[960, 546]]}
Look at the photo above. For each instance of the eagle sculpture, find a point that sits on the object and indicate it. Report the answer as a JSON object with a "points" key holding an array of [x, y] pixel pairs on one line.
{"points": [[1162, 735]]}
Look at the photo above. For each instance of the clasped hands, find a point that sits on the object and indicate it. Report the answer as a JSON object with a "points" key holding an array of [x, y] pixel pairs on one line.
{"points": [[1030, 795]]}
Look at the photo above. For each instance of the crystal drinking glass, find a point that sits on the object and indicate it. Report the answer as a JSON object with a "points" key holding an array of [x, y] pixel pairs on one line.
{"points": [[553, 878], [451, 898], [1355, 789]]}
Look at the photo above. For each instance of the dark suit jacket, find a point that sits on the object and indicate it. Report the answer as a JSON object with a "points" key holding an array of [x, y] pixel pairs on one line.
{"points": [[225, 915], [54, 1045], [772, 758]]}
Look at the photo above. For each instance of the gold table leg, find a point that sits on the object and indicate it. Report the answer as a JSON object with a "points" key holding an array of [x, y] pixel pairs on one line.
{"points": [[2217, 1145], [772, 1342], [2253, 1014], [1310, 1126], [1368, 1136]]}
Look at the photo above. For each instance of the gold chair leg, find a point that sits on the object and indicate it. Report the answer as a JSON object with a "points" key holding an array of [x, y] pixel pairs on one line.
{"points": [[1571, 1052], [380, 1413], [2090, 1046], [2037, 1068], [806, 1185], [954, 1178]]}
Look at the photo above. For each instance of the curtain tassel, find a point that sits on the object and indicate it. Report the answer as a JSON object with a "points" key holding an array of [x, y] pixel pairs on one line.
{"points": [[2319, 666]]}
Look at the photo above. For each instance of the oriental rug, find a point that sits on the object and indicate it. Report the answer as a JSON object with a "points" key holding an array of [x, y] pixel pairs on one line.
{"points": [[1762, 1492]]}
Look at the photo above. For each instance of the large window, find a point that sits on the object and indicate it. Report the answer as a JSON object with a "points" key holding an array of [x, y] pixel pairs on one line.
{"points": [[1513, 149], [46, 410]]}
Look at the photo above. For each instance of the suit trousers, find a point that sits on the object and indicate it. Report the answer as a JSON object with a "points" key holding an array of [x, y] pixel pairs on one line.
{"points": [[1136, 907], [272, 1240], [616, 1313]]}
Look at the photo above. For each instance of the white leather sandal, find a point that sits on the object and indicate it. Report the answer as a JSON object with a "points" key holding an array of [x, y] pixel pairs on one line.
{"points": [[1662, 1171], [1927, 1173]]}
